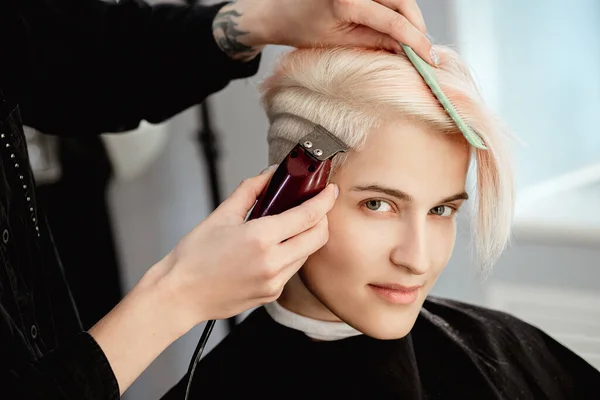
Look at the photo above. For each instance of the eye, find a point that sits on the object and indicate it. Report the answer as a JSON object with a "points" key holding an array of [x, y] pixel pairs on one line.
{"points": [[443, 211], [378, 205]]}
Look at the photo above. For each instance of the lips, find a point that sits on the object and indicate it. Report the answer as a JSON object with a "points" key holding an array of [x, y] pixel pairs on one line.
{"points": [[396, 287], [395, 293]]}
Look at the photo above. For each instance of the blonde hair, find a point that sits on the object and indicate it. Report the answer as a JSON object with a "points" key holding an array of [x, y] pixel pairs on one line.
{"points": [[351, 91]]}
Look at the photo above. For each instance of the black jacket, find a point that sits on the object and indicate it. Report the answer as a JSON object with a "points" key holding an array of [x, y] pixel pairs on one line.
{"points": [[454, 351], [80, 67]]}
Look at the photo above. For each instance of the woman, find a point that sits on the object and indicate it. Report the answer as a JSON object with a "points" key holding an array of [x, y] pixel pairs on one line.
{"points": [[356, 320]]}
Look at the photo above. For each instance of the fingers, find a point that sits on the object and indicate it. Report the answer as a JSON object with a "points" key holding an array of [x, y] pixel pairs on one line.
{"points": [[409, 9], [292, 255], [275, 287], [244, 196], [301, 247], [281, 227], [385, 20], [372, 39]]}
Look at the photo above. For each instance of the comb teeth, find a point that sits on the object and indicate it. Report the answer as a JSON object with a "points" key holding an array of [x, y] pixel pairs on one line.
{"points": [[426, 72]]}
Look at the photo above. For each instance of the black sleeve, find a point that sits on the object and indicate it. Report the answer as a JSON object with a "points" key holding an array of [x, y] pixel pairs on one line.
{"points": [[77, 371], [82, 67]]}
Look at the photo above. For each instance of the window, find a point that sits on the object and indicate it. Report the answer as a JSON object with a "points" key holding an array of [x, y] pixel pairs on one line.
{"points": [[538, 64]]}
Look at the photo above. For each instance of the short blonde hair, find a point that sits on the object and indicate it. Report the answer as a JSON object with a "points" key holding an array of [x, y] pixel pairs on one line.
{"points": [[351, 91]]}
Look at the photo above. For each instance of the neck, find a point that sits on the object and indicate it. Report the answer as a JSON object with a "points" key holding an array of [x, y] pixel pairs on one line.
{"points": [[298, 308], [315, 329], [297, 298]]}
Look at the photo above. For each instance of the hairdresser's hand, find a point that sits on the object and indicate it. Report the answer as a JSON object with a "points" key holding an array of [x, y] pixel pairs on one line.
{"points": [[225, 266], [243, 28], [221, 268]]}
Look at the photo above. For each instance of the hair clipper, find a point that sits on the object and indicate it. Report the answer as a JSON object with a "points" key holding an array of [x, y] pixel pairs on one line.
{"points": [[302, 174]]}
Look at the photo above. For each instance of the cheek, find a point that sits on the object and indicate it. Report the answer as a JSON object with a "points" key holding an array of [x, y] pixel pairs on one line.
{"points": [[351, 248], [342, 244], [442, 245]]}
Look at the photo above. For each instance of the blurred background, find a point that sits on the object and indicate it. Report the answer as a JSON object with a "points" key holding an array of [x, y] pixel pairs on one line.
{"points": [[537, 63]]}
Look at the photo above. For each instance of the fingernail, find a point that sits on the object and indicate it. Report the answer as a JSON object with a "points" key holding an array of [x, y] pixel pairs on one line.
{"points": [[400, 48], [434, 57], [269, 169], [336, 190]]}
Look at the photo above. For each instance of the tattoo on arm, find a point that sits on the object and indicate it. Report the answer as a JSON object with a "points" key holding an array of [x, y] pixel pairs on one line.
{"points": [[229, 36]]}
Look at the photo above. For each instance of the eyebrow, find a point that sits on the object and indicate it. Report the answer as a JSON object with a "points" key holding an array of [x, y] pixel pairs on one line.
{"points": [[403, 196]]}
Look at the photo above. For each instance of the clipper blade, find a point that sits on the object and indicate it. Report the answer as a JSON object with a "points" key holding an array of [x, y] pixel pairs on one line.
{"points": [[425, 70], [322, 144]]}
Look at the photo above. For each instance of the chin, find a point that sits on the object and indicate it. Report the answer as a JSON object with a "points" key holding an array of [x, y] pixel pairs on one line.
{"points": [[382, 325], [389, 331]]}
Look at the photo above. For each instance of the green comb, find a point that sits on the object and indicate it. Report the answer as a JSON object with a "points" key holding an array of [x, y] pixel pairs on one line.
{"points": [[428, 75]]}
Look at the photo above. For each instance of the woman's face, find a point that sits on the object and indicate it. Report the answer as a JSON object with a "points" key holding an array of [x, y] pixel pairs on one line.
{"points": [[391, 232]]}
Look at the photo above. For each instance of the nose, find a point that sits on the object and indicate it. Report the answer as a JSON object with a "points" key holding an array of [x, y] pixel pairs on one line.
{"points": [[410, 250]]}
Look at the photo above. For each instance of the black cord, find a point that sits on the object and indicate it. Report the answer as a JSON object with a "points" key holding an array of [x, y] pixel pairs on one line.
{"points": [[198, 354], [208, 141]]}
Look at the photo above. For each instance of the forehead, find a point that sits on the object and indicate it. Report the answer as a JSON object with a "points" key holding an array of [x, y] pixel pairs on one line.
{"points": [[406, 155]]}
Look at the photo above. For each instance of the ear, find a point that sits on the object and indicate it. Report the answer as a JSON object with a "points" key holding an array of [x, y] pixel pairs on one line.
{"points": [[131, 153]]}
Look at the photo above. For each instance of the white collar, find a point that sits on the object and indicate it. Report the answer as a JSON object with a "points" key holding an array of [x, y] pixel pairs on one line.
{"points": [[315, 329]]}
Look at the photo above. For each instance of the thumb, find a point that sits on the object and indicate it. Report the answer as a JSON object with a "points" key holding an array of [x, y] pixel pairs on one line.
{"points": [[239, 203]]}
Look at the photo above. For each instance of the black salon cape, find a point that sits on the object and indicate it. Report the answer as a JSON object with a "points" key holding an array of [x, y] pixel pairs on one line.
{"points": [[454, 351]]}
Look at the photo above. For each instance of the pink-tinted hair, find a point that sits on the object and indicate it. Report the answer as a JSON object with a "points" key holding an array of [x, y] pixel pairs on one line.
{"points": [[350, 91]]}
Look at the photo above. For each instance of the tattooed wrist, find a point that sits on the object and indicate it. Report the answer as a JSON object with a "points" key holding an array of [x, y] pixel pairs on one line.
{"points": [[234, 41]]}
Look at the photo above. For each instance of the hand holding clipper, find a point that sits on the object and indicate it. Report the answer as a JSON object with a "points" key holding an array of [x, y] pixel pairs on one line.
{"points": [[301, 175]]}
